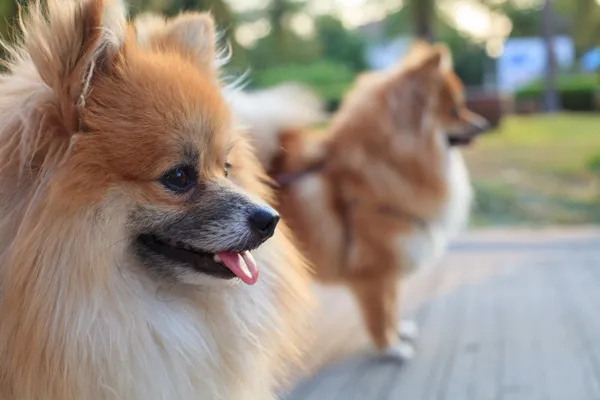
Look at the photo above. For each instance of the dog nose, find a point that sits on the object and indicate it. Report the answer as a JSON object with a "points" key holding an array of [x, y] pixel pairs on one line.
{"points": [[481, 126], [263, 221]]}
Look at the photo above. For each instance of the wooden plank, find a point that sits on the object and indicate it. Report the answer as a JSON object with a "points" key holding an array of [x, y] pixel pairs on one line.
{"points": [[510, 315]]}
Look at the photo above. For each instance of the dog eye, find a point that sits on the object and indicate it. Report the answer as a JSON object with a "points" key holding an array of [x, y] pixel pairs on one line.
{"points": [[226, 169], [179, 179]]}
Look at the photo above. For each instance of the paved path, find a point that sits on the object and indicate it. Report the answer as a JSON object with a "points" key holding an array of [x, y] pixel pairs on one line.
{"points": [[510, 314]]}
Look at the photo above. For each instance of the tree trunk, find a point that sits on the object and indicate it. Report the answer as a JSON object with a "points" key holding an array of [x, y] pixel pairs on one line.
{"points": [[423, 14], [551, 102]]}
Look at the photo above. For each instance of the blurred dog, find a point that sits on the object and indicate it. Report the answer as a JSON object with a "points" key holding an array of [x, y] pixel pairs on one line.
{"points": [[385, 188], [132, 211]]}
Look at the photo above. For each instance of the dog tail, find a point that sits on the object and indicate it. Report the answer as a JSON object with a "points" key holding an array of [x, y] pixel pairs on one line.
{"points": [[269, 113]]}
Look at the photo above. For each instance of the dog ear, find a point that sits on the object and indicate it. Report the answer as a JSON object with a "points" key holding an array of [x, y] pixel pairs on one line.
{"points": [[418, 49], [70, 41], [413, 92], [190, 34], [446, 54]]}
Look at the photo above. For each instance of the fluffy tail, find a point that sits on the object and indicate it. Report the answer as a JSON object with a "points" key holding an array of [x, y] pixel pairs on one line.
{"points": [[268, 113]]}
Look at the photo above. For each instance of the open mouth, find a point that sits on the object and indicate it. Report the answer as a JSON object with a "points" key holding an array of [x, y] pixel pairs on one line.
{"points": [[465, 137], [459, 140], [222, 264]]}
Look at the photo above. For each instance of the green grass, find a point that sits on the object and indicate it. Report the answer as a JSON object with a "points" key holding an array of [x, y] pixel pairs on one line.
{"points": [[538, 170]]}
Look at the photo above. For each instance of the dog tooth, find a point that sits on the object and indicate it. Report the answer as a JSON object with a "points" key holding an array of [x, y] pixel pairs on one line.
{"points": [[217, 258]]}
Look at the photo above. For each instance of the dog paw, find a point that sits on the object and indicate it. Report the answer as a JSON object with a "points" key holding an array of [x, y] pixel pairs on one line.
{"points": [[408, 330], [403, 351]]}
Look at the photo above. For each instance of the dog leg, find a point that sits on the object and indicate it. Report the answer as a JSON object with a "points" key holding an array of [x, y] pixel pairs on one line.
{"points": [[378, 301], [408, 330], [403, 350]]}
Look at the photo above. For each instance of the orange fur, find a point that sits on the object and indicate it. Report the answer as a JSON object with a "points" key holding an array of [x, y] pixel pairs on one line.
{"points": [[90, 118], [391, 192]]}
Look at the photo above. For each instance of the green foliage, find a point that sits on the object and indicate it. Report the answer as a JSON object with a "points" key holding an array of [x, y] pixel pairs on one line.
{"points": [[8, 21], [593, 164], [332, 43], [525, 22], [397, 23], [415, 17], [281, 45], [294, 50], [339, 44], [278, 11], [340, 55], [496, 204], [327, 78], [538, 169], [565, 81], [8, 14], [583, 17], [469, 58], [576, 92]]}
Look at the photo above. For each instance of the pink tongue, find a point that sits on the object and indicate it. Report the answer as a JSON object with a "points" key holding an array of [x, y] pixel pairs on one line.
{"points": [[242, 265]]}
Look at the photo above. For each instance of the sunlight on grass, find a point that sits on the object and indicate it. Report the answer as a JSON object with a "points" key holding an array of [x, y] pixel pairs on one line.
{"points": [[561, 142], [536, 169]]}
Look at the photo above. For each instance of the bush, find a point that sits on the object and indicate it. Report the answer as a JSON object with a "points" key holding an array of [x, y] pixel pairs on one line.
{"points": [[593, 164], [576, 92], [339, 44], [328, 79]]}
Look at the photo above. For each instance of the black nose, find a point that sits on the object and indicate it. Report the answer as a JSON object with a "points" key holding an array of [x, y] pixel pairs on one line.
{"points": [[481, 127], [263, 221]]}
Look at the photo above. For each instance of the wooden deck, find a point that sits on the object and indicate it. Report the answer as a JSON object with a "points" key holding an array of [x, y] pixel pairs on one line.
{"points": [[511, 315]]}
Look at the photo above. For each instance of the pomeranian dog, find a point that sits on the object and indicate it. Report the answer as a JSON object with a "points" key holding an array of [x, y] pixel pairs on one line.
{"points": [[384, 189], [131, 219]]}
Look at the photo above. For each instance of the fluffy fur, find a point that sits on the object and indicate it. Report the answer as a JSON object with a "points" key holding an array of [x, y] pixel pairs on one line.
{"points": [[383, 190], [91, 116], [266, 112]]}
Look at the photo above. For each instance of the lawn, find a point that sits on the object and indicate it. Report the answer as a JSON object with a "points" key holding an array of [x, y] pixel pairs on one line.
{"points": [[538, 170]]}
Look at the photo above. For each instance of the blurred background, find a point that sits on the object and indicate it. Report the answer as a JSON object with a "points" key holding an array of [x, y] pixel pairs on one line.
{"points": [[512, 313], [529, 65]]}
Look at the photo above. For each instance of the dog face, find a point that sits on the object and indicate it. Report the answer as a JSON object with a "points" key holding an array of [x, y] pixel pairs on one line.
{"points": [[188, 220], [147, 136], [460, 124], [387, 144]]}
